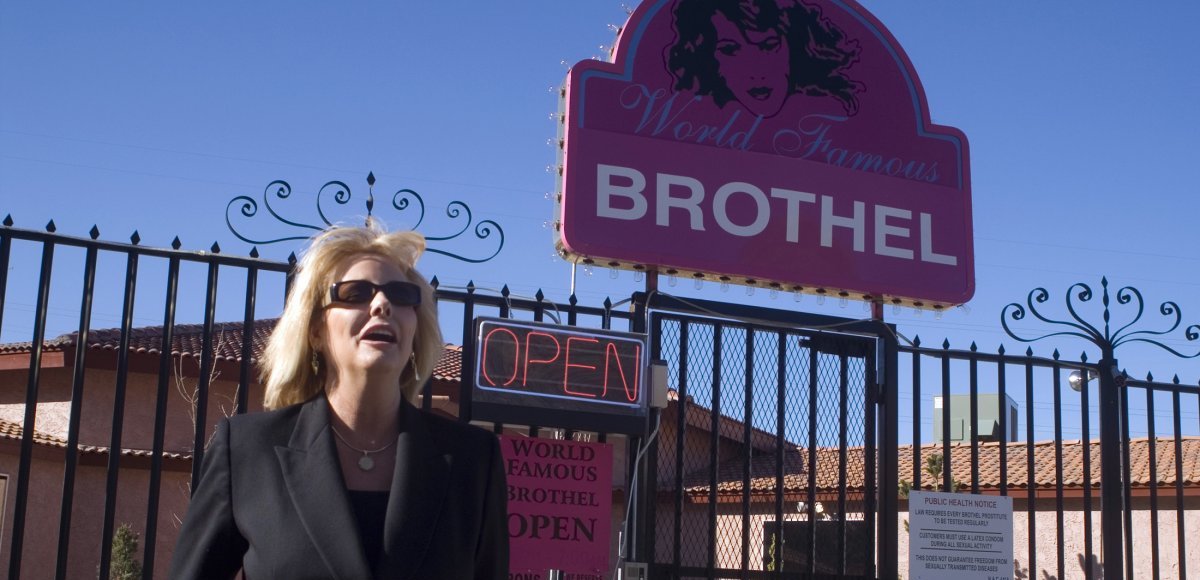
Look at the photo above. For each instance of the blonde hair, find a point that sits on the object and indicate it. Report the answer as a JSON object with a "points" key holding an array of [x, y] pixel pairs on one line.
{"points": [[287, 365]]}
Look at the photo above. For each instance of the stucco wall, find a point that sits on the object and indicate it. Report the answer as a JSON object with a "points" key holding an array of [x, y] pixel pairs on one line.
{"points": [[54, 406], [43, 508], [87, 515]]}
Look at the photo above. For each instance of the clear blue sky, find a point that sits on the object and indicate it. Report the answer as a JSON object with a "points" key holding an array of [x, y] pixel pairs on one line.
{"points": [[1082, 120]]}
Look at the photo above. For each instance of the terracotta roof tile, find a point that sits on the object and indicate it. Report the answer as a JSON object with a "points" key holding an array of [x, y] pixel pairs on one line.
{"points": [[795, 477], [52, 345], [13, 431], [187, 340], [698, 415], [449, 368], [762, 467]]}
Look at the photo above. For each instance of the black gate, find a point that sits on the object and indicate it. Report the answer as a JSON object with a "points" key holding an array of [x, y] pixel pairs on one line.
{"points": [[770, 461], [766, 464], [766, 461]]}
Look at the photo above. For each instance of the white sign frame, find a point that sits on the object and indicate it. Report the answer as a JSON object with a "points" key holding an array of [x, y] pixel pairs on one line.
{"points": [[958, 536]]}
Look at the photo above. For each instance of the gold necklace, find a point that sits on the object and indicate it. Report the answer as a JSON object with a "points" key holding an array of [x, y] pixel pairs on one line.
{"points": [[365, 462]]}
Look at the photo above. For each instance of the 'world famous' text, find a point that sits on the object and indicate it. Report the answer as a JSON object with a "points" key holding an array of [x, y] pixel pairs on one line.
{"points": [[662, 113]]}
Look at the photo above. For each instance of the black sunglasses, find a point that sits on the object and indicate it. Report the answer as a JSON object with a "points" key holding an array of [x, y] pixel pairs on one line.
{"points": [[362, 291]]}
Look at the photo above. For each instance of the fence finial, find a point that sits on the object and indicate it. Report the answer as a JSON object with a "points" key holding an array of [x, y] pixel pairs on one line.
{"points": [[405, 201], [1107, 339]]}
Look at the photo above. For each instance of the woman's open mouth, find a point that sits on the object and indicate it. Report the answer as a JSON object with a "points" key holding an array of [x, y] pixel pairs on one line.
{"points": [[760, 93], [379, 333]]}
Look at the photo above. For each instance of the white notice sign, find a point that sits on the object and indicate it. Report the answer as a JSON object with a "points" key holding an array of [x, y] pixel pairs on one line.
{"points": [[959, 536]]}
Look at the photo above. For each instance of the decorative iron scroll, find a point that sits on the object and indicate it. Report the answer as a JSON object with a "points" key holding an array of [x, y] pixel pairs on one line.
{"points": [[1080, 293], [407, 202]]}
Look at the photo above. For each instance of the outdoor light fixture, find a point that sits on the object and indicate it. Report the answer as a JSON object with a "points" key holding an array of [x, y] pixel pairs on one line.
{"points": [[1076, 380]]}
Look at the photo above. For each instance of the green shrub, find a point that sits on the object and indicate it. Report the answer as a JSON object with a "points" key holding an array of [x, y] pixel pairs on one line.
{"points": [[124, 564]]}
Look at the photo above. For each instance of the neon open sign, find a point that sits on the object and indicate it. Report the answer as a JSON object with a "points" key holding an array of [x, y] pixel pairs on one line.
{"points": [[558, 362], [524, 369]]}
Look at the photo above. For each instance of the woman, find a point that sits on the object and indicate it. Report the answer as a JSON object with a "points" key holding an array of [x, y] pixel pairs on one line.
{"points": [[344, 478], [759, 53]]}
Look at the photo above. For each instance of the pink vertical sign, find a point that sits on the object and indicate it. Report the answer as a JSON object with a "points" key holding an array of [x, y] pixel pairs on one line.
{"points": [[559, 506]]}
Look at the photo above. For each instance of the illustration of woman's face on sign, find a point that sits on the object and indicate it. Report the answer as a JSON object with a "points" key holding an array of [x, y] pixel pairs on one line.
{"points": [[759, 53], [754, 65]]}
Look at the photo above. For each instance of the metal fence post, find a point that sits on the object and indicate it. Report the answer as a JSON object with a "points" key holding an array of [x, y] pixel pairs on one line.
{"points": [[889, 461], [1111, 497]]}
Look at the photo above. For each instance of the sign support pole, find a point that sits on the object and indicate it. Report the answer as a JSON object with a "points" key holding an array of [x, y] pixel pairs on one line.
{"points": [[637, 547], [651, 282]]}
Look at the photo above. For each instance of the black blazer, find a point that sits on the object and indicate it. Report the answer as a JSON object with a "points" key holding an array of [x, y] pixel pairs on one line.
{"points": [[271, 500]]}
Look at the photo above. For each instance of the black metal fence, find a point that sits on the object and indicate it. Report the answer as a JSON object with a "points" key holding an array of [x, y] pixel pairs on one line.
{"points": [[780, 455], [765, 466], [141, 265], [1046, 456], [100, 394]]}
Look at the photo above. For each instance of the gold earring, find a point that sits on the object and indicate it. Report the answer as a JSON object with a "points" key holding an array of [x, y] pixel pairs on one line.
{"points": [[316, 363], [416, 373]]}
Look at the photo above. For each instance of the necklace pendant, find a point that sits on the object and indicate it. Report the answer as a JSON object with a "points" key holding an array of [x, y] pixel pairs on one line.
{"points": [[365, 463]]}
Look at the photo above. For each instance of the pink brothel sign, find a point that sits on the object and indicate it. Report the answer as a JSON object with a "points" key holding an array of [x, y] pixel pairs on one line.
{"points": [[777, 143]]}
